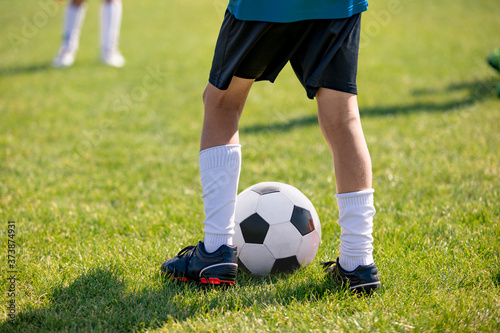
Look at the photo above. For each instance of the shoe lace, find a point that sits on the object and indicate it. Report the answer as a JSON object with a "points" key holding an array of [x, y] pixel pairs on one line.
{"points": [[185, 251], [327, 264]]}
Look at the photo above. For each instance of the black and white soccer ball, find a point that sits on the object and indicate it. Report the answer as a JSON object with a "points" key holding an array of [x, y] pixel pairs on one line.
{"points": [[277, 229]]}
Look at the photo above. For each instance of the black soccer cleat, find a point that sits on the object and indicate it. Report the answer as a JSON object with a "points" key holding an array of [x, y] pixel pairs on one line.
{"points": [[193, 263], [364, 279]]}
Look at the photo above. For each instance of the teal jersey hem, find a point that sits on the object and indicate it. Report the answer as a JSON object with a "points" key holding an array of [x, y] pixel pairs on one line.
{"points": [[284, 11]]}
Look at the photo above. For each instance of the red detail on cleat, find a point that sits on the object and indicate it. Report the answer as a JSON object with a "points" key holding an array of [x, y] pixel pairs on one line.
{"points": [[183, 279], [216, 281]]}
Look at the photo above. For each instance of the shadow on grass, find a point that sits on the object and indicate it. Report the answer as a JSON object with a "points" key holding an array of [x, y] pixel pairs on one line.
{"points": [[33, 68], [496, 279], [475, 91], [99, 301]]}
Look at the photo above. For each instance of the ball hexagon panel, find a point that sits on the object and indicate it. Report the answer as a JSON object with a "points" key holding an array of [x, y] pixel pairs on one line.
{"points": [[256, 258], [275, 208], [308, 247], [283, 240], [297, 197], [246, 204], [285, 265], [302, 220], [242, 267], [254, 229]]}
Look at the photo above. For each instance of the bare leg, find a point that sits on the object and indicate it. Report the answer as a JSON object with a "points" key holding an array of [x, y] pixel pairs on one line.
{"points": [[223, 110], [341, 126]]}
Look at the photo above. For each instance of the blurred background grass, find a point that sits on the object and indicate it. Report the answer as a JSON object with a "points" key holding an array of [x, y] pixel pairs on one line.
{"points": [[99, 169]]}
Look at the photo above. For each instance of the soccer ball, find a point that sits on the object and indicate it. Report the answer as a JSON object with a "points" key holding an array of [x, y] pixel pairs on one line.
{"points": [[277, 229]]}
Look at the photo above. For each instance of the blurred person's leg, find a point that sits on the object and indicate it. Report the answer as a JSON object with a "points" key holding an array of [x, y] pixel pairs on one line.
{"points": [[111, 18], [73, 20]]}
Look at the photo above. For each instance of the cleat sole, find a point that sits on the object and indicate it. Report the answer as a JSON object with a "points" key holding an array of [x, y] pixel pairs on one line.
{"points": [[183, 279], [176, 278], [213, 281]]}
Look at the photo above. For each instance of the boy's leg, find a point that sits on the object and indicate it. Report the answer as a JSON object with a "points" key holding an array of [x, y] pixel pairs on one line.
{"points": [[73, 20], [214, 260], [220, 159], [341, 126]]}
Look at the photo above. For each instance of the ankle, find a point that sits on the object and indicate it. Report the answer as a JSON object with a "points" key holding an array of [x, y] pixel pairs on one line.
{"points": [[212, 242], [349, 263]]}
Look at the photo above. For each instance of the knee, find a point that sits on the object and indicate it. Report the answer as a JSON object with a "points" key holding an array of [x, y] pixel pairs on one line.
{"points": [[222, 100], [337, 109], [206, 95], [211, 98]]}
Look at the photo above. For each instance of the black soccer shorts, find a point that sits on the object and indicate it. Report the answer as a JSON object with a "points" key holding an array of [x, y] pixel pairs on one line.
{"points": [[323, 53]]}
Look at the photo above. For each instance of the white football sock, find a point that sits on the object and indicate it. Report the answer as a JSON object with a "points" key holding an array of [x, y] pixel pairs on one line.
{"points": [[111, 19], [356, 212], [220, 172], [73, 21]]}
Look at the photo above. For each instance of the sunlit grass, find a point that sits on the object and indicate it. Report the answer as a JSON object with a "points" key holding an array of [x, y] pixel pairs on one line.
{"points": [[100, 172]]}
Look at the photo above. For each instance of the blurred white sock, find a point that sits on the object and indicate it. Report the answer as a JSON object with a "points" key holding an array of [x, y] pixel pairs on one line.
{"points": [[356, 213], [73, 20], [111, 19], [220, 172]]}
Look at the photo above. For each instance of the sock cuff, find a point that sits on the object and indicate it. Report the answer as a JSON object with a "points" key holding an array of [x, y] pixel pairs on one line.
{"points": [[349, 263], [218, 156], [212, 242], [355, 199]]}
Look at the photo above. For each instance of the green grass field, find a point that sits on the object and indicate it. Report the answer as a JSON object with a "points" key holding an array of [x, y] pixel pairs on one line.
{"points": [[99, 171]]}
